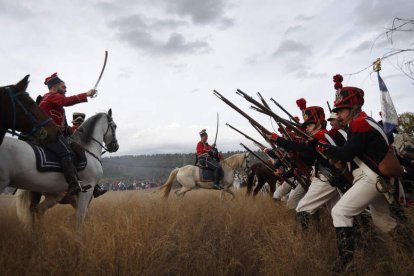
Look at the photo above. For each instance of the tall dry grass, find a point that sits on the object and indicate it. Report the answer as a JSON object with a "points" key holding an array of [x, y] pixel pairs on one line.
{"points": [[138, 233]]}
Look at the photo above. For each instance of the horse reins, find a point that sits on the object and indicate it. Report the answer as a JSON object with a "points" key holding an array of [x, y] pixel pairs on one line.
{"points": [[99, 143], [14, 98]]}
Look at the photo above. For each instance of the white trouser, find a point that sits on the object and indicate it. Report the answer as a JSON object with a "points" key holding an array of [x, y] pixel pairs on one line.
{"points": [[295, 196], [319, 193], [282, 191], [363, 193]]}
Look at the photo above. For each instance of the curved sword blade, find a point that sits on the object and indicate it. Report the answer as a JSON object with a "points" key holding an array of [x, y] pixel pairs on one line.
{"points": [[103, 69], [217, 128]]}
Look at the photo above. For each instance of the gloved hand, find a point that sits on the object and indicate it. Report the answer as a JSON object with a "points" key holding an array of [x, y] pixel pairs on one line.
{"points": [[322, 146], [272, 136], [278, 173], [91, 93]]}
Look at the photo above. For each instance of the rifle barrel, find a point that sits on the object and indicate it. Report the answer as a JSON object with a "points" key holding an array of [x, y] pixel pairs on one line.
{"points": [[284, 110], [245, 135], [241, 112], [269, 112]]}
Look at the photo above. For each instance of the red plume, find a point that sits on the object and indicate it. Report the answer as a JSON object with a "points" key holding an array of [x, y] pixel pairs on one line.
{"points": [[301, 103], [51, 77], [338, 81]]}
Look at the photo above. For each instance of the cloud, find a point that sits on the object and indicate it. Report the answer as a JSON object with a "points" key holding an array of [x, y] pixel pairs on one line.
{"points": [[292, 47], [305, 73], [295, 54], [363, 46], [376, 13], [140, 32], [14, 9], [293, 29], [302, 17], [142, 22], [202, 12], [255, 58]]}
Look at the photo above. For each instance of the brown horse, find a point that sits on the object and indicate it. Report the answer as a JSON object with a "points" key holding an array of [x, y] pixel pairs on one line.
{"points": [[263, 175], [19, 112]]}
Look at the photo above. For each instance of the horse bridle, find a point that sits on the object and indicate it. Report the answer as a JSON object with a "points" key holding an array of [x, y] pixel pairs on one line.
{"points": [[14, 99], [114, 140], [247, 168]]}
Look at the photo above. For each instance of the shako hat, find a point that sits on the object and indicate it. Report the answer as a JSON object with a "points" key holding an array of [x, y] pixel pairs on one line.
{"points": [[311, 114], [348, 96]]}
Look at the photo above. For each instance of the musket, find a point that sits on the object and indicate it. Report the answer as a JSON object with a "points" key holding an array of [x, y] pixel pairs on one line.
{"points": [[329, 106], [266, 164], [241, 112], [274, 115], [293, 119], [278, 123], [301, 166], [246, 136], [279, 155]]}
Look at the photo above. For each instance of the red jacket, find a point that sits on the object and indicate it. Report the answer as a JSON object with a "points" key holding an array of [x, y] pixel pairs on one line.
{"points": [[53, 102], [202, 148]]}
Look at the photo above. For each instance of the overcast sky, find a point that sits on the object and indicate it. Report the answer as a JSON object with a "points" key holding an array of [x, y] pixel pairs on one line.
{"points": [[167, 56]]}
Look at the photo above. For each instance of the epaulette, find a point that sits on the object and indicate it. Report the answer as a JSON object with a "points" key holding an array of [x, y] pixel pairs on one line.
{"points": [[320, 135], [359, 125]]}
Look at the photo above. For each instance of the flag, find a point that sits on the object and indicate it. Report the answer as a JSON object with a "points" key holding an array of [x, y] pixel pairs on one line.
{"points": [[388, 112]]}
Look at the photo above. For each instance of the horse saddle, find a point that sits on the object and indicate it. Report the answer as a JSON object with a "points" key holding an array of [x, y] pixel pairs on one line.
{"points": [[49, 161], [206, 174]]}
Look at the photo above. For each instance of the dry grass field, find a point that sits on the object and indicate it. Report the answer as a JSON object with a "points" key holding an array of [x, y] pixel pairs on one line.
{"points": [[139, 233]]}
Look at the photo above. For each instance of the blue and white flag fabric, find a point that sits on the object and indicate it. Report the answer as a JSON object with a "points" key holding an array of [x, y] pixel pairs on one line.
{"points": [[388, 112]]}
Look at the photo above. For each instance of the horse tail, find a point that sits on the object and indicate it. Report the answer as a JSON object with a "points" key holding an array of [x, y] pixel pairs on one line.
{"points": [[168, 185], [250, 178], [24, 211]]}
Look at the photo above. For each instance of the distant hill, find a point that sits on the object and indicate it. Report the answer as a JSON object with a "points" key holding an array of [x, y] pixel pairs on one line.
{"points": [[151, 168]]}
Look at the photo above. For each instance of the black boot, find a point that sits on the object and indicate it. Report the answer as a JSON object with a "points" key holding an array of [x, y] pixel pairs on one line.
{"points": [[98, 191], [69, 172], [217, 177], [303, 219], [346, 245]]}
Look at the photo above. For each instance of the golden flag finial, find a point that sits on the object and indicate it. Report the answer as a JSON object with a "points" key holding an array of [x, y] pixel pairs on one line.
{"points": [[377, 65]]}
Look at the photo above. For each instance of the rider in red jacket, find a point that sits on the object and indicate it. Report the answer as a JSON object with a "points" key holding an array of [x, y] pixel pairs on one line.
{"points": [[208, 157], [53, 103]]}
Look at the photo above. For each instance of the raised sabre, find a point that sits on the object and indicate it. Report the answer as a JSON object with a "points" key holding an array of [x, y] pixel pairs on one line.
{"points": [[100, 75], [217, 127]]}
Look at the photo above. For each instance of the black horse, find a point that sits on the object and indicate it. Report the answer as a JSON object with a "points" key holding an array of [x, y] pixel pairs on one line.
{"points": [[20, 113]]}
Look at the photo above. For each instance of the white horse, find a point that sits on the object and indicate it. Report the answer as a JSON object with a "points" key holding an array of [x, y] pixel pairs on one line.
{"points": [[189, 176], [18, 164]]}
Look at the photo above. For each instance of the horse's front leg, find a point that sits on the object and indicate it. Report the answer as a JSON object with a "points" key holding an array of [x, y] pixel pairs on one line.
{"points": [[227, 190], [82, 206]]}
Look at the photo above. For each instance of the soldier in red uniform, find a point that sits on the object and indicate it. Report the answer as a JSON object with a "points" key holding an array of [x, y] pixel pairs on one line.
{"points": [[78, 119], [53, 103], [208, 157], [366, 147]]}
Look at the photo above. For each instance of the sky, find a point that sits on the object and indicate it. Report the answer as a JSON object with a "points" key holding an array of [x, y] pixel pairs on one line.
{"points": [[166, 57]]}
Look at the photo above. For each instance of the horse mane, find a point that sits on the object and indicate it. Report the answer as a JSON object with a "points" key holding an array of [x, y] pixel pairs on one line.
{"points": [[85, 131], [229, 161]]}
